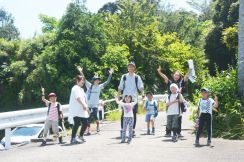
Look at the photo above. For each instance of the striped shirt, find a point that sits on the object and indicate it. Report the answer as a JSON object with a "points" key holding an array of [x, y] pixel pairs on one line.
{"points": [[53, 112]]}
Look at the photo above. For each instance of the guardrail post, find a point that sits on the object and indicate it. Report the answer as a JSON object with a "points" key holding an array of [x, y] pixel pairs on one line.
{"points": [[7, 138]]}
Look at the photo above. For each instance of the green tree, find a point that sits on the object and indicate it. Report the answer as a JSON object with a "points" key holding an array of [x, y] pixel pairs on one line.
{"points": [[7, 28]]}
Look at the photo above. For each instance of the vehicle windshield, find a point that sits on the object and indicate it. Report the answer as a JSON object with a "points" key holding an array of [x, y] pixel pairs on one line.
{"points": [[26, 131]]}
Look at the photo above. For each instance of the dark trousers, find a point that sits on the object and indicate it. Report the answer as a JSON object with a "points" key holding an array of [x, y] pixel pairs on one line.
{"points": [[205, 117], [178, 131], [77, 123], [135, 110]]}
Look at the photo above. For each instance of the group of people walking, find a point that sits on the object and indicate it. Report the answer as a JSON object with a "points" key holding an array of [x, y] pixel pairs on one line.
{"points": [[83, 106]]}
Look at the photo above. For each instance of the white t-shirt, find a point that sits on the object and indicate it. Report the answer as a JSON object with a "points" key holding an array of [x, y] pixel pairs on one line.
{"points": [[128, 108], [130, 85], [75, 108], [174, 108], [206, 106]]}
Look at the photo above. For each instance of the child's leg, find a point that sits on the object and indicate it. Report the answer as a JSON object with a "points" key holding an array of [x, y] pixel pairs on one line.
{"points": [[169, 122], [209, 126], [152, 123], [148, 125], [201, 124], [55, 129], [47, 126], [175, 124], [131, 123], [125, 123], [179, 125]]}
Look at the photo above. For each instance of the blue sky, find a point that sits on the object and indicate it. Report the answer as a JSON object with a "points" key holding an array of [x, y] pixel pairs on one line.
{"points": [[26, 12]]}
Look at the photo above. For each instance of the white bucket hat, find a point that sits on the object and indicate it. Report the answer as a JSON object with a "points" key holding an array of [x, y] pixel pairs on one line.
{"points": [[174, 85]]}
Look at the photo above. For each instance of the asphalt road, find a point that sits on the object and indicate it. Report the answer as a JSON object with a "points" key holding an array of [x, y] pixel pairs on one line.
{"points": [[106, 147]]}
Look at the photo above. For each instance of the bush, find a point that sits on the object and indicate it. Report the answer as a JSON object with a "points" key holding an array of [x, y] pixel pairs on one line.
{"points": [[229, 121]]}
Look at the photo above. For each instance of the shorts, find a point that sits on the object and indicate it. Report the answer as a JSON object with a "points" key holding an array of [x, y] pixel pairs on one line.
{"points": [[50, 124], [93, 115], [172, 122], [149, 117]]}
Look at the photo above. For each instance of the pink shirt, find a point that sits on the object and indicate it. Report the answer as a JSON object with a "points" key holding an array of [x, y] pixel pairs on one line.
{"points": [[53, 113]]}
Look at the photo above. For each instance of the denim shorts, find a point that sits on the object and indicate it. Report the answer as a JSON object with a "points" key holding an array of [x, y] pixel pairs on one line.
{"points": [[149, 117], [93, 115]]}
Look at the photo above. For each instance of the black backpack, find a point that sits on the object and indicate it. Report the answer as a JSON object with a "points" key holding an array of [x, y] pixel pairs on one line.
{"points": [[58, 107], [136, 81], [181, 106]]}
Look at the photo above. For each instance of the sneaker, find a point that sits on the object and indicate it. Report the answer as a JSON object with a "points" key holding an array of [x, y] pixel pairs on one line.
{"points": [[174, 138], [148, 132], [44, 143], [123, 141], [209, 143], [129, 141], [82, 139], [153, 130], [88, 134], [197, 144], [74, 141]]}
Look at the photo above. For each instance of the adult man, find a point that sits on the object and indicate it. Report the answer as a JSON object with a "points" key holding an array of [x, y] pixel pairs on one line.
{"points": [[131, 84]]}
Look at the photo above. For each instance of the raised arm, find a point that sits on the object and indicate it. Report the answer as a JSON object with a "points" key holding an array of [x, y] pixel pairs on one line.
{"points": [[166, 79], [43, 96], [186, 77], [87, 83], [109, 78], [216, 104]]}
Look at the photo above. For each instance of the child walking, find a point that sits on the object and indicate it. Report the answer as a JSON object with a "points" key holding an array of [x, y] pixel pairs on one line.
{"points": [[54, 113], [128, 118], [151, 106], [173, 110], [205, 107]]}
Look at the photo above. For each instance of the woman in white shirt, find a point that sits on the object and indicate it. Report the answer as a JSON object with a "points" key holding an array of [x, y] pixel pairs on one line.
{"points": [[78, 109]]}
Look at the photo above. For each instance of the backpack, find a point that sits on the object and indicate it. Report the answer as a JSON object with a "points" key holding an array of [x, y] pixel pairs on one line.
{"points": [[58, 107], [155, 108], [181, 106], [136, 81], [90, 92]]}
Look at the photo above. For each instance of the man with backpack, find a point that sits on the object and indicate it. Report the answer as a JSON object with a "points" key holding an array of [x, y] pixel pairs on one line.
{"points": [[131, 84]]}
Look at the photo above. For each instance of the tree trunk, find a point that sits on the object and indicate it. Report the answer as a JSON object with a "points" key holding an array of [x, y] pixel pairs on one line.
{"points": [[241, 49]]}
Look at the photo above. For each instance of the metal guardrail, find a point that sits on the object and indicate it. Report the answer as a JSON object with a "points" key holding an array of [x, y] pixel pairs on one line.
{"points": [[13, 119]]}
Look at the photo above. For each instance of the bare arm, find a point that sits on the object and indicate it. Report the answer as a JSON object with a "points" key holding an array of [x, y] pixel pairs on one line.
{"points": [[166, 79], [43, 97], [216, 104]]}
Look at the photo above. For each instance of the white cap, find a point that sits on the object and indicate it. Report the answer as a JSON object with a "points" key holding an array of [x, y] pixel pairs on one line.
{"points": [[174, 85]]}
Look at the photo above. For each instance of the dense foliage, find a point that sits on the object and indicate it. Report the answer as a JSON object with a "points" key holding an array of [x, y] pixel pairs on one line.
{"points": [[146, 32]]}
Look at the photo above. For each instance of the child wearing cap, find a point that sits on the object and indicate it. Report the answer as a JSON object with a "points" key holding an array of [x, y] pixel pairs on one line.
{"points": [[205, 107], [54, 113], [173, 110], [93, 96], [151, 106]]}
